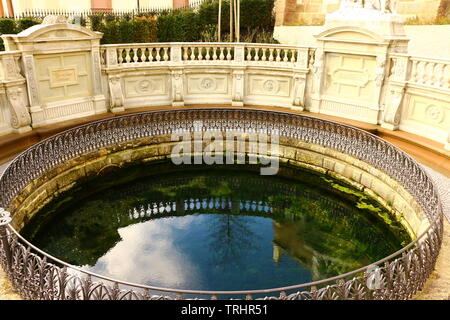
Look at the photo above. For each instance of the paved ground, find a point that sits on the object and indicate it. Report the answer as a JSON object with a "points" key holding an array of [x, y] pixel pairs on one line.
{"points": [[420, 42], [436, 288], [443, 185], [438, 285]]}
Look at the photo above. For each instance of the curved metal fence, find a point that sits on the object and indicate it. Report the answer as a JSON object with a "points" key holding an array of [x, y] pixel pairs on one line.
{"points": [[37, 275]]}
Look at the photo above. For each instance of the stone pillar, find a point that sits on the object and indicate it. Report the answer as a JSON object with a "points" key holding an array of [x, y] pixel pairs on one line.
{"points": [[115, 93], [15, 92], [396, 90], [301, 70], [177, 76], [238, 77], [350, 62], [99, 97]]}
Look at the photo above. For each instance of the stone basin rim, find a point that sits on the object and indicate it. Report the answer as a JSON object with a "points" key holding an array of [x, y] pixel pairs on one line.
{"points": [[434, 223]]}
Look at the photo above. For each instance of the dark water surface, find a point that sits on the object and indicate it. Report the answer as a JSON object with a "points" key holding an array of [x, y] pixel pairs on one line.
{"points": [[215, 228]]}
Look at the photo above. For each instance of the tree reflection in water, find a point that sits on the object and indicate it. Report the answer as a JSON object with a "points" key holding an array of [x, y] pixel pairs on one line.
{"points": [[260, 231]]}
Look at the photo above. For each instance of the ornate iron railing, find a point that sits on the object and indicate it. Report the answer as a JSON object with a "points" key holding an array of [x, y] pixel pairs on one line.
{"points": [[37, 275]]}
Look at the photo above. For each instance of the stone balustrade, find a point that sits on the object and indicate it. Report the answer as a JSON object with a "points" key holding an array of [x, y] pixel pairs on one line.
{"points": [[429, 72], [46, 79]]}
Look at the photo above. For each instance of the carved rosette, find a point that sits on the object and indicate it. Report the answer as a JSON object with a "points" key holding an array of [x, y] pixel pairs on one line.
{"points": [[208, 84], [435, 113], [144, 86]]}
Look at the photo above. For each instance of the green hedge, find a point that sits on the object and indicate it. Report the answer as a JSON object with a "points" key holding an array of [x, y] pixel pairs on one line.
{"points": [[128, 31], [256, 23], [179, 26], [12, 26], [187, 25]]}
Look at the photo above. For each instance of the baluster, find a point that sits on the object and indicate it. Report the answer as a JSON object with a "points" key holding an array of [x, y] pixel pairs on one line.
{"points": [[285, 55], [446, 84], [249, 54], [278, 54], [150, 55], [214, 54], [143, 57], [127, 57], [120, 55], [264, 53], [431, 74], [293, 59], [229, 54], [439, 68], [423, 72], [414, 70], [185, 53], [200, 53], [192, 53], [257, 54], [158, 55], [271, 54], [135, 55], [207, 57], [165, 54], [221, 56]]}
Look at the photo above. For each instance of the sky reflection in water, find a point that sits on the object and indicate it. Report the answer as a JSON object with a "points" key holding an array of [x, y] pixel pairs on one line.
{"points": [[313, 230]]}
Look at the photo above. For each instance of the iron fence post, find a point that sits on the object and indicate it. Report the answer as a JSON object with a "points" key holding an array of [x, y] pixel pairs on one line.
{"points": [[5, 219]]}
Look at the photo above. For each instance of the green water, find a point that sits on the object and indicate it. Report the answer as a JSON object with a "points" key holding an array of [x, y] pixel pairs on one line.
{"points": [[215, 228]]}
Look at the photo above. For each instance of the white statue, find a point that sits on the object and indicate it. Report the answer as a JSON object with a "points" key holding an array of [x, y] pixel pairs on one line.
{"points": [[385, 6]]}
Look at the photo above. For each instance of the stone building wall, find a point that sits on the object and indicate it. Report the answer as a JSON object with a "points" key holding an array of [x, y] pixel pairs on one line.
{"points": [[312, 12]]}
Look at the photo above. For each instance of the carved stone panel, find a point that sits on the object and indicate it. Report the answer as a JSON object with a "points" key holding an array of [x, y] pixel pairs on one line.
{"points": [[207, 83], [269, 85], [144, 86], [63, 76], [428, 111], [350, 77]]}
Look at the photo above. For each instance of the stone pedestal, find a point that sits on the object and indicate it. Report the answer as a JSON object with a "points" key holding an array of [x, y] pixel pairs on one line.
{"points": [[62, 66], [351, 61]]}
